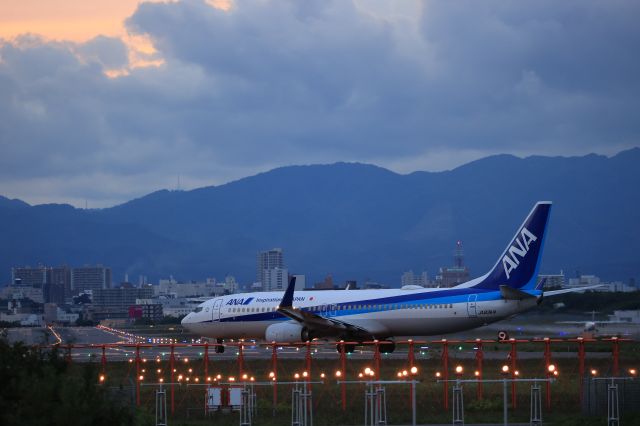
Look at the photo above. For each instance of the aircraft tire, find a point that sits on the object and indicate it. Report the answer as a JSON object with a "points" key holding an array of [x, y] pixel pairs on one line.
{"points": [[219, 348], [348, 348], [387, 347]]}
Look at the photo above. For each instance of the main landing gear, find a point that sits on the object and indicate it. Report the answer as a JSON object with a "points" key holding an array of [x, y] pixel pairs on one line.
{"points": [[219, 347]]}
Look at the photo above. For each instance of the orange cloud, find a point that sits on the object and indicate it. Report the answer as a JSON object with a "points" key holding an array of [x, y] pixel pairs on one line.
{"points": [[80, 21], [73, 20]]}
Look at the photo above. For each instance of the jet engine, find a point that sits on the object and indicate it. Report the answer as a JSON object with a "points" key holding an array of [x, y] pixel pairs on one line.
{"points": [[287, 333]]}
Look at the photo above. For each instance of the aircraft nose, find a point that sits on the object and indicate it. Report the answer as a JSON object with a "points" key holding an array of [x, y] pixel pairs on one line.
{"points": [[186, 321]]}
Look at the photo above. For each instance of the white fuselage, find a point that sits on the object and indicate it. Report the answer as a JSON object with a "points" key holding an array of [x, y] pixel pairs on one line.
{"points": [[384, 313]]}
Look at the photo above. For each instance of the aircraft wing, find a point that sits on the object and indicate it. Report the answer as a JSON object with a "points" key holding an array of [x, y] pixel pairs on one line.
{"points": [[593, 322], [317, 324], [570, 290]]}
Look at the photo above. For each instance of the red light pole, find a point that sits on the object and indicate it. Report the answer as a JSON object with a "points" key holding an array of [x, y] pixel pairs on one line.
{"points": [[104, 360], [343, 371], [615, 351], [138, 374], [479, 360], [376, 357], [240, 359], [172, 361], [445, 368], [411, 356], [308, 361], [206, 362], [581, 356], [513, 356], [274, 370], [547, 364]]}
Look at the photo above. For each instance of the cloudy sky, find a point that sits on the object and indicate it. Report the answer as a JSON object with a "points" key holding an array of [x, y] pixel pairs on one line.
{"points": [[107, 100]]}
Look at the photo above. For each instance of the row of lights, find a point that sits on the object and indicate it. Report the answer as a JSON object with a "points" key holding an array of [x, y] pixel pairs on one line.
{"points": [[367, 372], [122, 333]]}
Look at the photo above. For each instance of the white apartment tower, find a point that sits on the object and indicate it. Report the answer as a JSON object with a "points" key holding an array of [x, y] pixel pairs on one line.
{"points": [[270, 269]]}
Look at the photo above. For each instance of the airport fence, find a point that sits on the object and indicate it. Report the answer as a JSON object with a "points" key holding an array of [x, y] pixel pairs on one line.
{"points": [[201, 383]]}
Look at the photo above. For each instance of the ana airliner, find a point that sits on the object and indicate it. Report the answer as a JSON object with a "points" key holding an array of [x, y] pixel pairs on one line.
{"points": [[509, 288]]}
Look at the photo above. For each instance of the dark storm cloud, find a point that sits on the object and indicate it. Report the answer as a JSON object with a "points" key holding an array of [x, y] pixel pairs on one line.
{"points": [[277, 82]]}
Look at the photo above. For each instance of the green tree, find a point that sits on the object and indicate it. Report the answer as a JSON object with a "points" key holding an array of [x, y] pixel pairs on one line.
{"points": [[40, 388]]}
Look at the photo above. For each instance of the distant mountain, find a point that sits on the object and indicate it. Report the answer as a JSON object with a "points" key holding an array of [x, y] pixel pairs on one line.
{"points": [[355, 221]]}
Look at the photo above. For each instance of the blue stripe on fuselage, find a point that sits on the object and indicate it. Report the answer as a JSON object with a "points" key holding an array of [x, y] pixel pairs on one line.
{"points": [[448, 296]]}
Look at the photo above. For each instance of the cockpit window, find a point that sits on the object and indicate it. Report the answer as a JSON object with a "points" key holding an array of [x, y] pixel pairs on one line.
{"points": [[198, 309]]}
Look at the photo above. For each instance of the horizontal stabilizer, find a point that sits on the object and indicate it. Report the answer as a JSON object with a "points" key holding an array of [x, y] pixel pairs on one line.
{"points": [[510, 293], [570, 290]]}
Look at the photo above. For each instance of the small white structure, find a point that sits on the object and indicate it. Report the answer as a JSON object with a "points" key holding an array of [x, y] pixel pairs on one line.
{"points": [[632, 317]]}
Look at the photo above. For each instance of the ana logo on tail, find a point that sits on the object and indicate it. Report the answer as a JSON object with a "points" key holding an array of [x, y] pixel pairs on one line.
{"points": [[510, 260]]}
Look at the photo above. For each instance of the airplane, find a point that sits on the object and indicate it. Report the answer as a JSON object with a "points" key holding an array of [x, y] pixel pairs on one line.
{"points": [[509, 288], [593, 325]]}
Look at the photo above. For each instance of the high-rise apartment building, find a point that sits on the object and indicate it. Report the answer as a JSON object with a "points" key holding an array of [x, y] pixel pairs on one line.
{"points": [[275, 279], [58, 286], [90, 278], [410, 278], [55, 283], [29, 277], [270, 270]]}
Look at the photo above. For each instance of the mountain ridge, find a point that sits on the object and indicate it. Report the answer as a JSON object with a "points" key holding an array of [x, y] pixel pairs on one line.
{"points": [[353, 220]]}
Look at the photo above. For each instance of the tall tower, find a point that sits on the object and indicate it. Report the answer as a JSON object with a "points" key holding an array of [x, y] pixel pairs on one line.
{"points": [[456, 274], [458, 257]]}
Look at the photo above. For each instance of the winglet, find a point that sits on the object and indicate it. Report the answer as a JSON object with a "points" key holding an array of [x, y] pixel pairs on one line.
{"points": [[287, 299]]}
